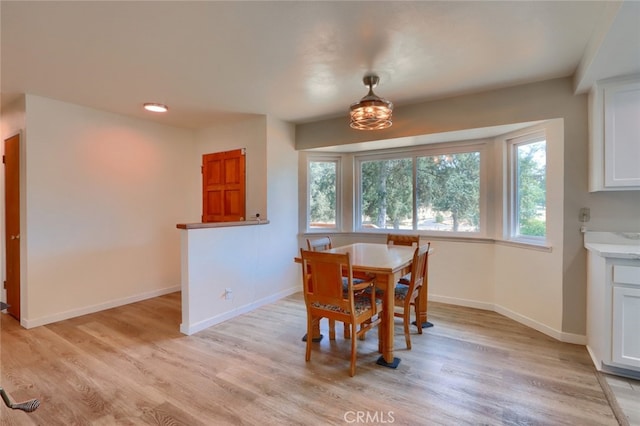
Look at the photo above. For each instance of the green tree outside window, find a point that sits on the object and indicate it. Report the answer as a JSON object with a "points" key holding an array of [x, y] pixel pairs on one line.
{"points": [[530, 184], [322, 194], [448, 189], [447, 192]]}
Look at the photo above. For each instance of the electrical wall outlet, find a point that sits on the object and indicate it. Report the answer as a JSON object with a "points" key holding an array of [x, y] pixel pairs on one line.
{"points": [[585, 214], [228, 294]]}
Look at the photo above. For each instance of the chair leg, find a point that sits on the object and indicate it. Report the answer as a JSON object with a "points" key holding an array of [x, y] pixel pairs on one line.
{"points": [[332, 329], [406, 319], [380, 334], [310, 322], [352, 370], [418, 325], [363, 334], [347, 331]]}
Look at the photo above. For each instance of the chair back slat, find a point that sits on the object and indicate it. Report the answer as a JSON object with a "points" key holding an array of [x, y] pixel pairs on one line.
{"points": [[403, 240], [325, 271], [418, 270], [319, 244]]}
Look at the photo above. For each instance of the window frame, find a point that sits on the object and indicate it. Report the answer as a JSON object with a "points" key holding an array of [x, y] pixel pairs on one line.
{"points": [[512, 227], [337, 160], [429, 150]]}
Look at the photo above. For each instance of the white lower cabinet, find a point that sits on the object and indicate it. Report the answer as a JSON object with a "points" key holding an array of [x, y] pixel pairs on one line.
{"points": [[626, 316], [613, 314]]}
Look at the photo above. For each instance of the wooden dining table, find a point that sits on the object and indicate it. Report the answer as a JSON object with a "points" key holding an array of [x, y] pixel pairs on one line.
{"points": [[388, 263]]}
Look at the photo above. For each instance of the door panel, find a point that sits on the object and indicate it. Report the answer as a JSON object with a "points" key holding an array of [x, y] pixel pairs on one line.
{"points": [[214, 203], [232, 203]]}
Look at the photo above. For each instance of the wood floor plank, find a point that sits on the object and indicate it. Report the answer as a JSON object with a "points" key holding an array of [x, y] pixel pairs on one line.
{"points": [[131, 366]]}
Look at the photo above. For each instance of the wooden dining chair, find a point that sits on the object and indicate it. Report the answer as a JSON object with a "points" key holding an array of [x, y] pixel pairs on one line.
{"points": [[403, 240], [406, 296], [321, 244], [326, 297]]}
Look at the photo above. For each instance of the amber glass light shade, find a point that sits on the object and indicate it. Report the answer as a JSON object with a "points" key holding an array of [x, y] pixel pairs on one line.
{"points": [[371, 112]]}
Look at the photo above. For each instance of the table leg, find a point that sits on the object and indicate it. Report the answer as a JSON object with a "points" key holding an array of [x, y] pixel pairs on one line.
{"points": [[386, 331]]}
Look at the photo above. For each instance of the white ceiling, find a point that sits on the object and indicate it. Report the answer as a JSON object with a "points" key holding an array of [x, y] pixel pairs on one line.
{"points": [[301, 61]]}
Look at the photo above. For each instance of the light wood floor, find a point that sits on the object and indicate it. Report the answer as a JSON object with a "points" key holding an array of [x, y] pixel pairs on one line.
{"points": [[131, 366], [627, 394]]}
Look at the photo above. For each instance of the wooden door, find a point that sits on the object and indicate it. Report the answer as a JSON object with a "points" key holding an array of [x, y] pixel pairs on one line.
{"points": [[11, 161], [223, 186]]}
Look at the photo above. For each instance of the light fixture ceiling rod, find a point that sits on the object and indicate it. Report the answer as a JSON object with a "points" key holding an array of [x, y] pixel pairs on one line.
{"points": [[371, 80]]}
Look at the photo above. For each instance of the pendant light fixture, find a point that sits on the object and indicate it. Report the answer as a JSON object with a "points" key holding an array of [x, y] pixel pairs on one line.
{"points": [[371, 112]]}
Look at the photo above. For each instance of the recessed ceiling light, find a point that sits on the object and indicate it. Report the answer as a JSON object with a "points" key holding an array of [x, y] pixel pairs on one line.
{"points": [[155, 107]]}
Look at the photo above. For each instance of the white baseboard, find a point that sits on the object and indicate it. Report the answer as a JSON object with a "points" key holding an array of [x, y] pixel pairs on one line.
{"points": [[542, 328], [190, 329], [594, 358], [31, 323], [576, 339], [462, 302]]}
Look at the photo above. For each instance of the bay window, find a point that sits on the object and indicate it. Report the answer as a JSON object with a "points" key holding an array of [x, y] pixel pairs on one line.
{"points": [[490, 188], [435, 189]]}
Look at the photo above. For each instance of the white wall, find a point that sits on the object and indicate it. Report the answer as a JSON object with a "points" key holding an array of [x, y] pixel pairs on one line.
{"points": [[462, 273], [103, 196], [528, 283], [255, 262], [280, 245]]}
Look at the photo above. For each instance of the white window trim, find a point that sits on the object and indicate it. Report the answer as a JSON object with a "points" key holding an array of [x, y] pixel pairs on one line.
{"points": [[337, 159], [425, 151], [512, 222]]}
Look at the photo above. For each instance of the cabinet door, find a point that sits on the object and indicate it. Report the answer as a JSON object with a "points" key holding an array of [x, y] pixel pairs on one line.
{"points": [[223, 186], [626, 326], [622, 135]]}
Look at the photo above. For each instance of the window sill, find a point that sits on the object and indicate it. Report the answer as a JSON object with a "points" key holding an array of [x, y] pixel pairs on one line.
{"points": [[526, 245], [363, 236], [322, 231]]}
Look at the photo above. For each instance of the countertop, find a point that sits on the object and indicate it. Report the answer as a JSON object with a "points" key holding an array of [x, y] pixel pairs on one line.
{"points": [[621, 245], [222, 224]]}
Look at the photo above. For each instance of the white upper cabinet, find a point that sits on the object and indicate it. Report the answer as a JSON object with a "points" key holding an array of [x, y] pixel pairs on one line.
{"points": [[614, 132]]}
